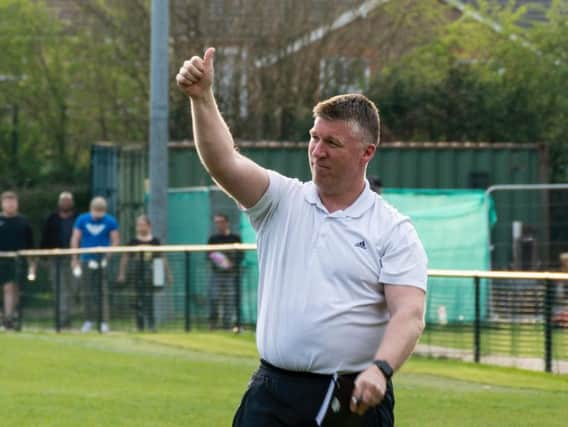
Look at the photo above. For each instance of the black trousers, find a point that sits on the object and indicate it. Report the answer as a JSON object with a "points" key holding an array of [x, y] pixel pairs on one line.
{"points": [[276, 397]]}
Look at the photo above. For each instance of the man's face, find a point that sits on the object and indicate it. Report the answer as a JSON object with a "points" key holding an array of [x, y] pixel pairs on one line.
{"points": [[337, 155], [142, 227], [65, 204], [10, 206], [221, 224], [97, 213]]}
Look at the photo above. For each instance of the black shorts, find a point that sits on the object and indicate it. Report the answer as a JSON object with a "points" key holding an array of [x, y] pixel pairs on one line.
{"points": [[10, 270], [282, 398]]}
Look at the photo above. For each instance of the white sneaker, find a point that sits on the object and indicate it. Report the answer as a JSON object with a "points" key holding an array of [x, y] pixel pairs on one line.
{"points": [[87, 326], [104, 328]]}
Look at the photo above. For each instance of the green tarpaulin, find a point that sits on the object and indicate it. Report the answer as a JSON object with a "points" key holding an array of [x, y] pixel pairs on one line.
{"points": [[453, 225]]}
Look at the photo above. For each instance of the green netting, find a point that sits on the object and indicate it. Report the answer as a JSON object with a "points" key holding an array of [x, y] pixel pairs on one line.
{"points": [[189, 215], [189, 222], [454, 226]]}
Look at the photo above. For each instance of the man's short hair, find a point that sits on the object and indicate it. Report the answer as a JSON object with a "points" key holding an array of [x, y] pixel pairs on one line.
{"points": [[144, 218], [98, 204], [66, 195], [9, 195], [221, 215], [354, 108]]}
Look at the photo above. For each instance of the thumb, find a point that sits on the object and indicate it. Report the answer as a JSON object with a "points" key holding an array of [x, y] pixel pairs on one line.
{"points": [[209, 57]]}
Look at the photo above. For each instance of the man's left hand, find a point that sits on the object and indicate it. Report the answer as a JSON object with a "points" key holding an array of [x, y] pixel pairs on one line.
{"points": [[369, 391]]}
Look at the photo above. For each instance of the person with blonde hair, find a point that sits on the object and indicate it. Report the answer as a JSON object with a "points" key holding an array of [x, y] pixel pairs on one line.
{"points": [[95, 228]]}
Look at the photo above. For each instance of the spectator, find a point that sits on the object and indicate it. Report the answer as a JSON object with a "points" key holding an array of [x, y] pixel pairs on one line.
{"points": [[224, 275], [15, 234], [144, 268], [92, 229], [376, 184], [56, 233]]}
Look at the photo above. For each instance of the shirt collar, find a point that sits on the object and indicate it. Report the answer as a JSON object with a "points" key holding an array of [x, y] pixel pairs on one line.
{"points": [[363, 202]]}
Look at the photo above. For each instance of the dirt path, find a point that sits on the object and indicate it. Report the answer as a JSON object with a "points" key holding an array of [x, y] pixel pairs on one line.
{"points": [[531, 363]]}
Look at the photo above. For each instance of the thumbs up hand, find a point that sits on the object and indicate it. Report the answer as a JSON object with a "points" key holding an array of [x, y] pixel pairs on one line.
{"points": [[195, 77]]}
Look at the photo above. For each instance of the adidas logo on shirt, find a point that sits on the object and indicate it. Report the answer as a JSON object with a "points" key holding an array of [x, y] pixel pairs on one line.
{"points": [[361, 244]]}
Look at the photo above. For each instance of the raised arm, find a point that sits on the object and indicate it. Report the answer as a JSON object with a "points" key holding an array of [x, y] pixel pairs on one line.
{"points": [[239, 176]]}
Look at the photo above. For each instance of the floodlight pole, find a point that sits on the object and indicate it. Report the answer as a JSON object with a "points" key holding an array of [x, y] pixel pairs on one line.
{"points": [[158, 156]]}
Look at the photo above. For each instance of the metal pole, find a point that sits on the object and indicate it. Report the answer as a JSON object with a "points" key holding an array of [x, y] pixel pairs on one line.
{"points": [[99, 277], [187, 269], [524, 187], [19, 306], [140, 285], [238, 297], [158, 158], [548, 309], [58, 294], [477, 322]]}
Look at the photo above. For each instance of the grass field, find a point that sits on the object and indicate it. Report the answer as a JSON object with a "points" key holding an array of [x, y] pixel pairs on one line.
{"points": [[506, 339], [197, 380]]}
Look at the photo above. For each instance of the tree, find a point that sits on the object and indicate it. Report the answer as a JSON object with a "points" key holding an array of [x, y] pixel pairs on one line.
{"points": [[72, 83], [496, 80]]}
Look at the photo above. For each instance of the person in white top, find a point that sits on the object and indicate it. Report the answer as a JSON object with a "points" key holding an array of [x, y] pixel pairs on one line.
{"points": [[342, 274]]}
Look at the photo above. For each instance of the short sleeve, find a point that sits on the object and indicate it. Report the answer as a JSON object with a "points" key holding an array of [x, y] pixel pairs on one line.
{"points": [[79, 222], [262, 211], [404, 261], [112, 223], [29, 236]]}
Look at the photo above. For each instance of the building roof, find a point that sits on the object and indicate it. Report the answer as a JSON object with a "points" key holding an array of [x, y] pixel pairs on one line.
{"points": [[366, 7]]}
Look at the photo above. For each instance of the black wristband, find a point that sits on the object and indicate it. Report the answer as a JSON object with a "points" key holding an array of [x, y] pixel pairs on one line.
{"points": [[385, 368]]}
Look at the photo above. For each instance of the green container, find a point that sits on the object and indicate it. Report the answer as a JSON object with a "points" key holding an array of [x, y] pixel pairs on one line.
{"points": [[119, 171], [417, 166], [400, 165]]}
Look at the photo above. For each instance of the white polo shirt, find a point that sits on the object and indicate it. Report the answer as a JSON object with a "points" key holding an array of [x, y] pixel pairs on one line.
{"points": [[321, 305]]}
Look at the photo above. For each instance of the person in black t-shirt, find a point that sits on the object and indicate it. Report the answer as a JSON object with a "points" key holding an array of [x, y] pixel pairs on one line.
{"points": [[141, 269], [15, 234], [224, 275], [56, 233]]}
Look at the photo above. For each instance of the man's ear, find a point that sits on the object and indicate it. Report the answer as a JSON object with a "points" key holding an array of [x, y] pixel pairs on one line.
{"points": [[369, 153]]}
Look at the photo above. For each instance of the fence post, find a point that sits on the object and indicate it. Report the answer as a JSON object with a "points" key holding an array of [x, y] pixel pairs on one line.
{"points": [[548, 308], [99, 277], [238, 298], [19, 307], [477, 322], [139, 292], [187, 269], [57, 294]]}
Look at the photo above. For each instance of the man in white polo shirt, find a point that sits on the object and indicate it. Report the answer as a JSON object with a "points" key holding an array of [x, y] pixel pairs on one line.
{"points": [[342, 274]]}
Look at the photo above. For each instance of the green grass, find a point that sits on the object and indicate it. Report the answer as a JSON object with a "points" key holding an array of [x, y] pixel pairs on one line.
{"points": [[198, 379]]}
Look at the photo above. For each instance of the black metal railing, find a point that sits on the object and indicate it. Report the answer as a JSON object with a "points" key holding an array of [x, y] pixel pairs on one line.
{"points": [[497, 317]]}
